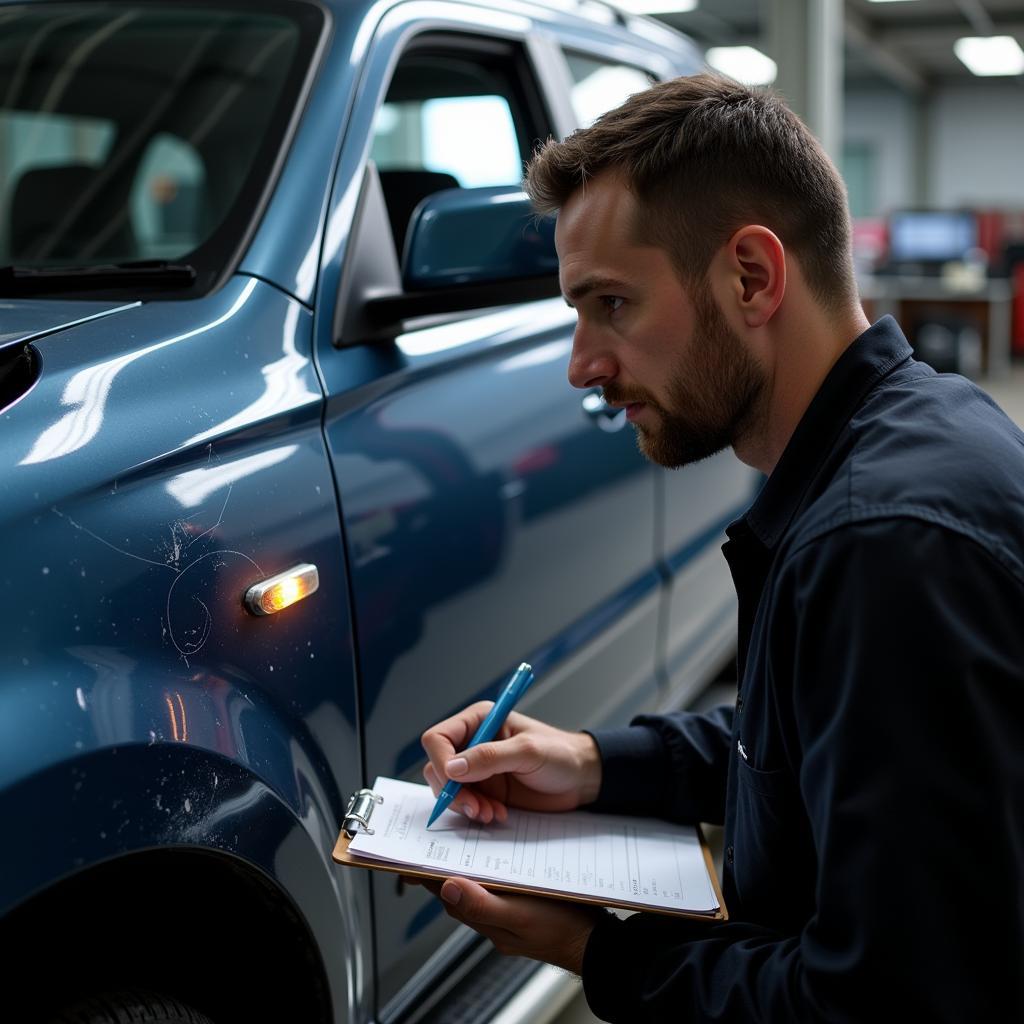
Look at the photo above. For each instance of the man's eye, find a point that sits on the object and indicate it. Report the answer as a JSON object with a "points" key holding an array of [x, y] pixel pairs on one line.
{"points": [[612, 302]]}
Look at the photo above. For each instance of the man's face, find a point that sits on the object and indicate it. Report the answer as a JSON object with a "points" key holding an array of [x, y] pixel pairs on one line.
{"points": [[690, 384]]}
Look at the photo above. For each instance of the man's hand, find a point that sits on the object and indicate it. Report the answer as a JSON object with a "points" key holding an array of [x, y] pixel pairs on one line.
{"points": [[543, 929], [530, 765]]}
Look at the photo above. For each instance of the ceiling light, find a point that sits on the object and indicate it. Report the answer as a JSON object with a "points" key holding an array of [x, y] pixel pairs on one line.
{"points": [[744, 63], [990, 55], [657, 6]]}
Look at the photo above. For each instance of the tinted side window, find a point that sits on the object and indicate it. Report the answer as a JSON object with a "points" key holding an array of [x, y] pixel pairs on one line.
{"points": [[449, 120], [600, 85]]}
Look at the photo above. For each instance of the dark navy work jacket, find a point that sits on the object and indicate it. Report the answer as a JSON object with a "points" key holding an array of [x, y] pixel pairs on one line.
{"points": [[871, 776]]}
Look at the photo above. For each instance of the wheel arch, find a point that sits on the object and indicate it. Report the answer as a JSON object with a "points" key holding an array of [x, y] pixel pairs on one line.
{"points": [[227, 900], [201, 925]]}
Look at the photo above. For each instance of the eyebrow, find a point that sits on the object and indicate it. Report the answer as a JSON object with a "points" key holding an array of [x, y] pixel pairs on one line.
{"points": [[589, 284]]}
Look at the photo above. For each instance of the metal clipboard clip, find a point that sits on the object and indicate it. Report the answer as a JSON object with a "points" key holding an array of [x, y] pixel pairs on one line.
{"points": [[359, 810]]}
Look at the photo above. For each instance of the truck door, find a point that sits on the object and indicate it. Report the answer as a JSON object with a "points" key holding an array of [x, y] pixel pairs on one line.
{"points": [[492, 513]]}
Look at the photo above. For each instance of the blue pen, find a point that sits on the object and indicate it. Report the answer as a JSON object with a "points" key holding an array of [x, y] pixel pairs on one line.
{"points": [[514, 689]]}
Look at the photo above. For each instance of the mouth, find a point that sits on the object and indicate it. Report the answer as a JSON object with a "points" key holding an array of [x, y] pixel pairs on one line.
{"points": [[633, 410]]}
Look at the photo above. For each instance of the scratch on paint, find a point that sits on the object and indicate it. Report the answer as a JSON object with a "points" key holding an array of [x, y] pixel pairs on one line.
{"points": [[114, 547], [192, 647], [175, 549], [220, 520]]}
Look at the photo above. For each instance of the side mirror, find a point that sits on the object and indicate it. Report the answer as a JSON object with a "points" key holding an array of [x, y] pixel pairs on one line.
{"points": [[471, 236], [465, 249]]}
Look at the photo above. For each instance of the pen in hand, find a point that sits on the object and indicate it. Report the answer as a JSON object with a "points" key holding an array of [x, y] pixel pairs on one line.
{"points": [[514, 689]]}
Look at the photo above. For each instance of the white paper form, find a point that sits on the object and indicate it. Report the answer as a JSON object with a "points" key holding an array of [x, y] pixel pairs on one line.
{"points": [[640, 861]]}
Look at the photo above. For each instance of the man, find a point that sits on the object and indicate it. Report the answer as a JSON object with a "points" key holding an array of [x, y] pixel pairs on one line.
{"points": [[870, 776]]}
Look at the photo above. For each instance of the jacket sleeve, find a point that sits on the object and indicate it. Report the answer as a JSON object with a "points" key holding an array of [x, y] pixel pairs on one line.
{"points": [[667, 766], [898, 655]]}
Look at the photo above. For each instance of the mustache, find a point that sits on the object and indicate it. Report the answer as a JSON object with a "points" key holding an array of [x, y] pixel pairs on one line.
{"points": [[620, 396]]}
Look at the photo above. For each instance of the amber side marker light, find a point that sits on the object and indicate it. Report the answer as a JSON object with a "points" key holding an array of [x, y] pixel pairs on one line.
{"points": [[276, 593]]}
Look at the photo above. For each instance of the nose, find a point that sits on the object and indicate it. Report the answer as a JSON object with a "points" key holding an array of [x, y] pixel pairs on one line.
{"points": [[591, 364]]}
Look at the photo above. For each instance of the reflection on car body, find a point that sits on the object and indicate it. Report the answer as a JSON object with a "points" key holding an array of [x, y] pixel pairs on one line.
{"points": [[296, 353]]}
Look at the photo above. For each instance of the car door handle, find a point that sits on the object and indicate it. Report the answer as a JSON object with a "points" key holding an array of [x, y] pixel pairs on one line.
{"points": [[606, 416]]}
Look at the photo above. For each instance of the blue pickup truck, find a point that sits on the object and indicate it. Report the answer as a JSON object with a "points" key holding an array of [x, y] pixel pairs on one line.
{"points": [[289, 470]]}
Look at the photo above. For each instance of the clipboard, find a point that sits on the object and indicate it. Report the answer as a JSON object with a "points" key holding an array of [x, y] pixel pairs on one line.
{"points": [[358, 817]]}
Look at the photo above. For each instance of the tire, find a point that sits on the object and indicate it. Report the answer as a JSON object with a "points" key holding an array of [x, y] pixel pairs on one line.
{"points": [[129, 1007]]}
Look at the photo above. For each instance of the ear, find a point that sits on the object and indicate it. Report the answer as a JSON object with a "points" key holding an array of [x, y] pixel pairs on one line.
{"points": [[756, 263]]}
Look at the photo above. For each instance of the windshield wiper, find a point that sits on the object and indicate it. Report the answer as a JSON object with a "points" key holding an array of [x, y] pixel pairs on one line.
{"points": [[15, 280]]}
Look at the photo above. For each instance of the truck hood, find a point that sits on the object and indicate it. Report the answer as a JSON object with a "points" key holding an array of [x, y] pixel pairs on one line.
{"points": [[24, 320]]}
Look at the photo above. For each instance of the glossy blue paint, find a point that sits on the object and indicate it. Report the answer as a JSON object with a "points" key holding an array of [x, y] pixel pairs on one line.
{"points": [[677, 560], [170, 456], [463, 463], [127, 799], [570, 642], [699, 503], [24, 320], [463, 511], [465, 236]]}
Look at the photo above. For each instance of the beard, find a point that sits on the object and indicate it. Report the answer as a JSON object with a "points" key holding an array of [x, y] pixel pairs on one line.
{"points": [[714, 394]]}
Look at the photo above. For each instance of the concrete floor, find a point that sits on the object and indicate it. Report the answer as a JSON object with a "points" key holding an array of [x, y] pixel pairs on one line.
{"points": [[1009, 393]]}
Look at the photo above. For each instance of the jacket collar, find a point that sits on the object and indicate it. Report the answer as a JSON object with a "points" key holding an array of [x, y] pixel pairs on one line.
{"points": [[868, 359]]}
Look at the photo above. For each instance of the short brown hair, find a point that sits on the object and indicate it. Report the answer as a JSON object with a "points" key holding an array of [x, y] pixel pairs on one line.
{"points": [[705, 155]]}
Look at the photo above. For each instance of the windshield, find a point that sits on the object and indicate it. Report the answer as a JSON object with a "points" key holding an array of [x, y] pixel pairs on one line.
{"points": [[142, 132]]}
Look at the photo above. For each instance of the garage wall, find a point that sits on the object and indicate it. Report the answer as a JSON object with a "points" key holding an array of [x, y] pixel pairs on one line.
{"points": [[881, 122], [975, 144]]}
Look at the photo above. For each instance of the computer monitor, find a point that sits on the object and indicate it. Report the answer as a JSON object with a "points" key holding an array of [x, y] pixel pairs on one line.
{"points": [[931, 236]]}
